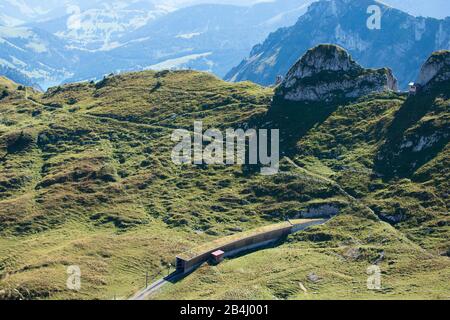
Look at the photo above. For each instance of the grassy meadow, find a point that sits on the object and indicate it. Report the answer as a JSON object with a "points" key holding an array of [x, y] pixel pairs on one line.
{"points": [[86, 179]]}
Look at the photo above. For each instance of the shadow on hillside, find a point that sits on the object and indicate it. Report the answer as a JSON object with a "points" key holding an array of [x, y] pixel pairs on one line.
{"points": [[176, 276], [295, 119], [271, 245], [393, 159]]}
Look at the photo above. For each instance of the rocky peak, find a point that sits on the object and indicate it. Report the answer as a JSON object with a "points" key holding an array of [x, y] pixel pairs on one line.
{"points": [[435, 69], [320, 59], [328, 72], [403, 43]]}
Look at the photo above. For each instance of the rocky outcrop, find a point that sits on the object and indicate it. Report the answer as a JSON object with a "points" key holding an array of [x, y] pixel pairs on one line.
{"points": [[435, 69], [420, 129], [327, 73], [402, 43]]}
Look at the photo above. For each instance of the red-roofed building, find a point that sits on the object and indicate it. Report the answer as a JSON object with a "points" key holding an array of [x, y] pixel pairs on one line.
{"points": [[217, 256]]}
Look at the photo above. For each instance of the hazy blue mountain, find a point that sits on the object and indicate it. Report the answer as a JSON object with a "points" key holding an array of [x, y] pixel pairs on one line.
{"points": [[99, 25], [15, 12], [74, 40], [36, 54], [426, 8], [101, 38], [203, 37], [17, 76], [402, 43]]}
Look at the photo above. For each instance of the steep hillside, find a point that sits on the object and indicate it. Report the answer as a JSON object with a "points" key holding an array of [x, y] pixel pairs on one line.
{"points": [[86, 178], [402, 43], [324, 262], [89, 165], [378, 148], [343, 143]]}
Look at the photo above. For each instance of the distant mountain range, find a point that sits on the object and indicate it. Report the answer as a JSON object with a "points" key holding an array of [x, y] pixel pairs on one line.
{"points": [[36, 54], [425, 8], [12, 73], [403, 42], [97, 39], [17, 12], [99, 27], [53, 42], [203, 37]]}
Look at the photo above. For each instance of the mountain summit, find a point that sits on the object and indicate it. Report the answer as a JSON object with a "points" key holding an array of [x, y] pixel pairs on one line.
{"points": [[328, 72], [402, 42], [436, 69]]}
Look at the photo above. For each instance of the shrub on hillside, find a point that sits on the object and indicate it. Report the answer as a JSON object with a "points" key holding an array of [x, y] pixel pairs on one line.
{"points": [[18, 141]]}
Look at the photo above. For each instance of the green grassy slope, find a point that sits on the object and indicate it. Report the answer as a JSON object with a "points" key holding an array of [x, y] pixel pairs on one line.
{"points": [[326, 262], [351, 147], [343, 143], [86, 179]]}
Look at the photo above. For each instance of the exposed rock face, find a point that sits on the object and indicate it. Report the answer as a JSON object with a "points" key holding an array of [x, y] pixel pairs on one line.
{"points": [[435, 69], [421, 129], [402, 43], [322, 58], [327, 72]]}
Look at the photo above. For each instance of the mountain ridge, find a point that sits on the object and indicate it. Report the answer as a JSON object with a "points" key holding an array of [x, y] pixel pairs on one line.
{"points": [[93, 39], [328, 72], [344, 23]]}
